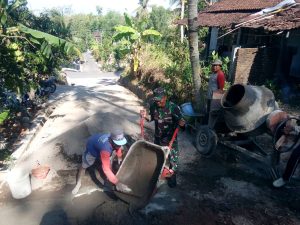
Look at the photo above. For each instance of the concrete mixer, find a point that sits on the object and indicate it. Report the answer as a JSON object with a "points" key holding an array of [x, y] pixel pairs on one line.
{"points": [[237, 118]]}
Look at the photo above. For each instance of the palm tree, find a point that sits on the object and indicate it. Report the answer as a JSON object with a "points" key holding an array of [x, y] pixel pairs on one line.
{"points": [[194, 52], [61, 29], [180, 3], [142, 11]]}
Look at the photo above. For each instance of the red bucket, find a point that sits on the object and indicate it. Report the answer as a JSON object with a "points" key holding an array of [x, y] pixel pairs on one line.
{"points": [[40, 172]]}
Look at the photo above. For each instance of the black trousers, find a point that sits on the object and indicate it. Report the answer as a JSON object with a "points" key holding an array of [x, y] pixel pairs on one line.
{"points": [[292, 163]]}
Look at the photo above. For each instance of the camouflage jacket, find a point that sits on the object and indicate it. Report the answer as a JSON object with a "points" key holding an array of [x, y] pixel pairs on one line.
{"points": [[166, 119]]}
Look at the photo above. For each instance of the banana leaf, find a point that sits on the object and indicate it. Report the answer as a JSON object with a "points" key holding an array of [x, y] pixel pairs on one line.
{"points": [[151, 33], [53, 41]]}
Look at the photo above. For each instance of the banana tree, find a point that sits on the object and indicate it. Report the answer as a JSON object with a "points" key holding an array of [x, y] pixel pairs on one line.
{"points": [[10, 29], [133, 37]]}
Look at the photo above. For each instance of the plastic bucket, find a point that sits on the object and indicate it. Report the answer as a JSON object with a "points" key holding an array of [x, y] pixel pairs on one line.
{"points": [[188, 112], [187, 109], [19, 183]]}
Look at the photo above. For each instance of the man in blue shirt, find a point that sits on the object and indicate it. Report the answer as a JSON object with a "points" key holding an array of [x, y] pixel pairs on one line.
{"points": [[102, 146]]}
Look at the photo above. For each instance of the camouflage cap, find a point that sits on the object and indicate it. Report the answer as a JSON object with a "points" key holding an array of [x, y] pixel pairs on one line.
{"points": [[159, 93]]}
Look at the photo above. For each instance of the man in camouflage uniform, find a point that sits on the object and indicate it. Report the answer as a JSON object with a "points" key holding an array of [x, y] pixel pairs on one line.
{"points": [[167, 116]]}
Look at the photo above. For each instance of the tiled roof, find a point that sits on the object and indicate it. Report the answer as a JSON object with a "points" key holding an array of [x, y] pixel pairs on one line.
{"points": [[230, 12], [241, 5], [208, 19], [226, 12], [285, 20]]}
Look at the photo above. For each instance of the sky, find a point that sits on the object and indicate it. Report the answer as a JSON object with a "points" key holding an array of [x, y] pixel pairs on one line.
{"points": [[89, 6]]}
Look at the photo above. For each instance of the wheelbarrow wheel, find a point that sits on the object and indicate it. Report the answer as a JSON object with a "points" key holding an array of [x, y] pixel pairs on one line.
{"points": [[206, 141]]}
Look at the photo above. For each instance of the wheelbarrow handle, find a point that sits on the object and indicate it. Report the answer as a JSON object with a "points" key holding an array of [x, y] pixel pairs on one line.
{"points": [[142, 122], [173, 137]]}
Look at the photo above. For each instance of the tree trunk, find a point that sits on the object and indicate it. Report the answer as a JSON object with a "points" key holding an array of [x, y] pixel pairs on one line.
{"points": [[194, 54], [181, 17]]}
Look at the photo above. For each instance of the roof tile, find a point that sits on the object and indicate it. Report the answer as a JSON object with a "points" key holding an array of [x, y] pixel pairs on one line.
{"points": [[286, 20], [240, 5]]}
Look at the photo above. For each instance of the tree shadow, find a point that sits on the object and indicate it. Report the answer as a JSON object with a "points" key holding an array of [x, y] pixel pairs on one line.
{"points": [[55, 217]]}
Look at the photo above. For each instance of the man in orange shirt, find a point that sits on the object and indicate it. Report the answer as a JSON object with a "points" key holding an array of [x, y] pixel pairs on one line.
{"points": [[216, 82]]}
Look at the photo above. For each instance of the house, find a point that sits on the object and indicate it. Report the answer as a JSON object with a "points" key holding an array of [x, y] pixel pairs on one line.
{"points": [[97, 36], [261, 37], [281, 27]]}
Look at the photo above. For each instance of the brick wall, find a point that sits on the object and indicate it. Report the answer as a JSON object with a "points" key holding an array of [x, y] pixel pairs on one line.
{"points": [[255, 65], [243, 64]]}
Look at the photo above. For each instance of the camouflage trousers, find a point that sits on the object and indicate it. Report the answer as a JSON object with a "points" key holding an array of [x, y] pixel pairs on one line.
{"points": [[174, 152]]}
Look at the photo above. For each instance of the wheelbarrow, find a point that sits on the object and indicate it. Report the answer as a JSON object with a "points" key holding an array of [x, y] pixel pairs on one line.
{"points": [[192, 118], [141, 170]]}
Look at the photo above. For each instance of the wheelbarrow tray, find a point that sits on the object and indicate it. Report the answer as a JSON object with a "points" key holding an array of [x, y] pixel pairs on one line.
{"points": [[140, 170]]}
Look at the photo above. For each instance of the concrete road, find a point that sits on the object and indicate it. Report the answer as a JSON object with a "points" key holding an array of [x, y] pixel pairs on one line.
{"points": [[90, 70]]}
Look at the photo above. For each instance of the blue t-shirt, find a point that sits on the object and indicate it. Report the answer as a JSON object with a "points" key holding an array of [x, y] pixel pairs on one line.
{"points": [[97, 143]]}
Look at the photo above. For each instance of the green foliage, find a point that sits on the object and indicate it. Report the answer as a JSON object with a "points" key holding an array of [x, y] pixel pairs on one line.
{"points": [[133, 38], [154, 58], [179, 72], [202, 4], [125, 32], [206, 68], [109, 21], [128, 20], [80, 26], [48, 41], [25, 51], [3, 116], [160, 19], [272, 85], [133, 35], [8, 7], [150, 32]]}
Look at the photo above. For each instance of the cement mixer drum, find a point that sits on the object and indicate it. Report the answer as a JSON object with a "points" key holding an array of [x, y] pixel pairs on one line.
{"points": [[246, 107]]}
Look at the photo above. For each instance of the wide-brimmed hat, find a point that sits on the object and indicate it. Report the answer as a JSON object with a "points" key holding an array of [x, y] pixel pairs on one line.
{"points": [[117, 137], [158, 93], [217, 62]]}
